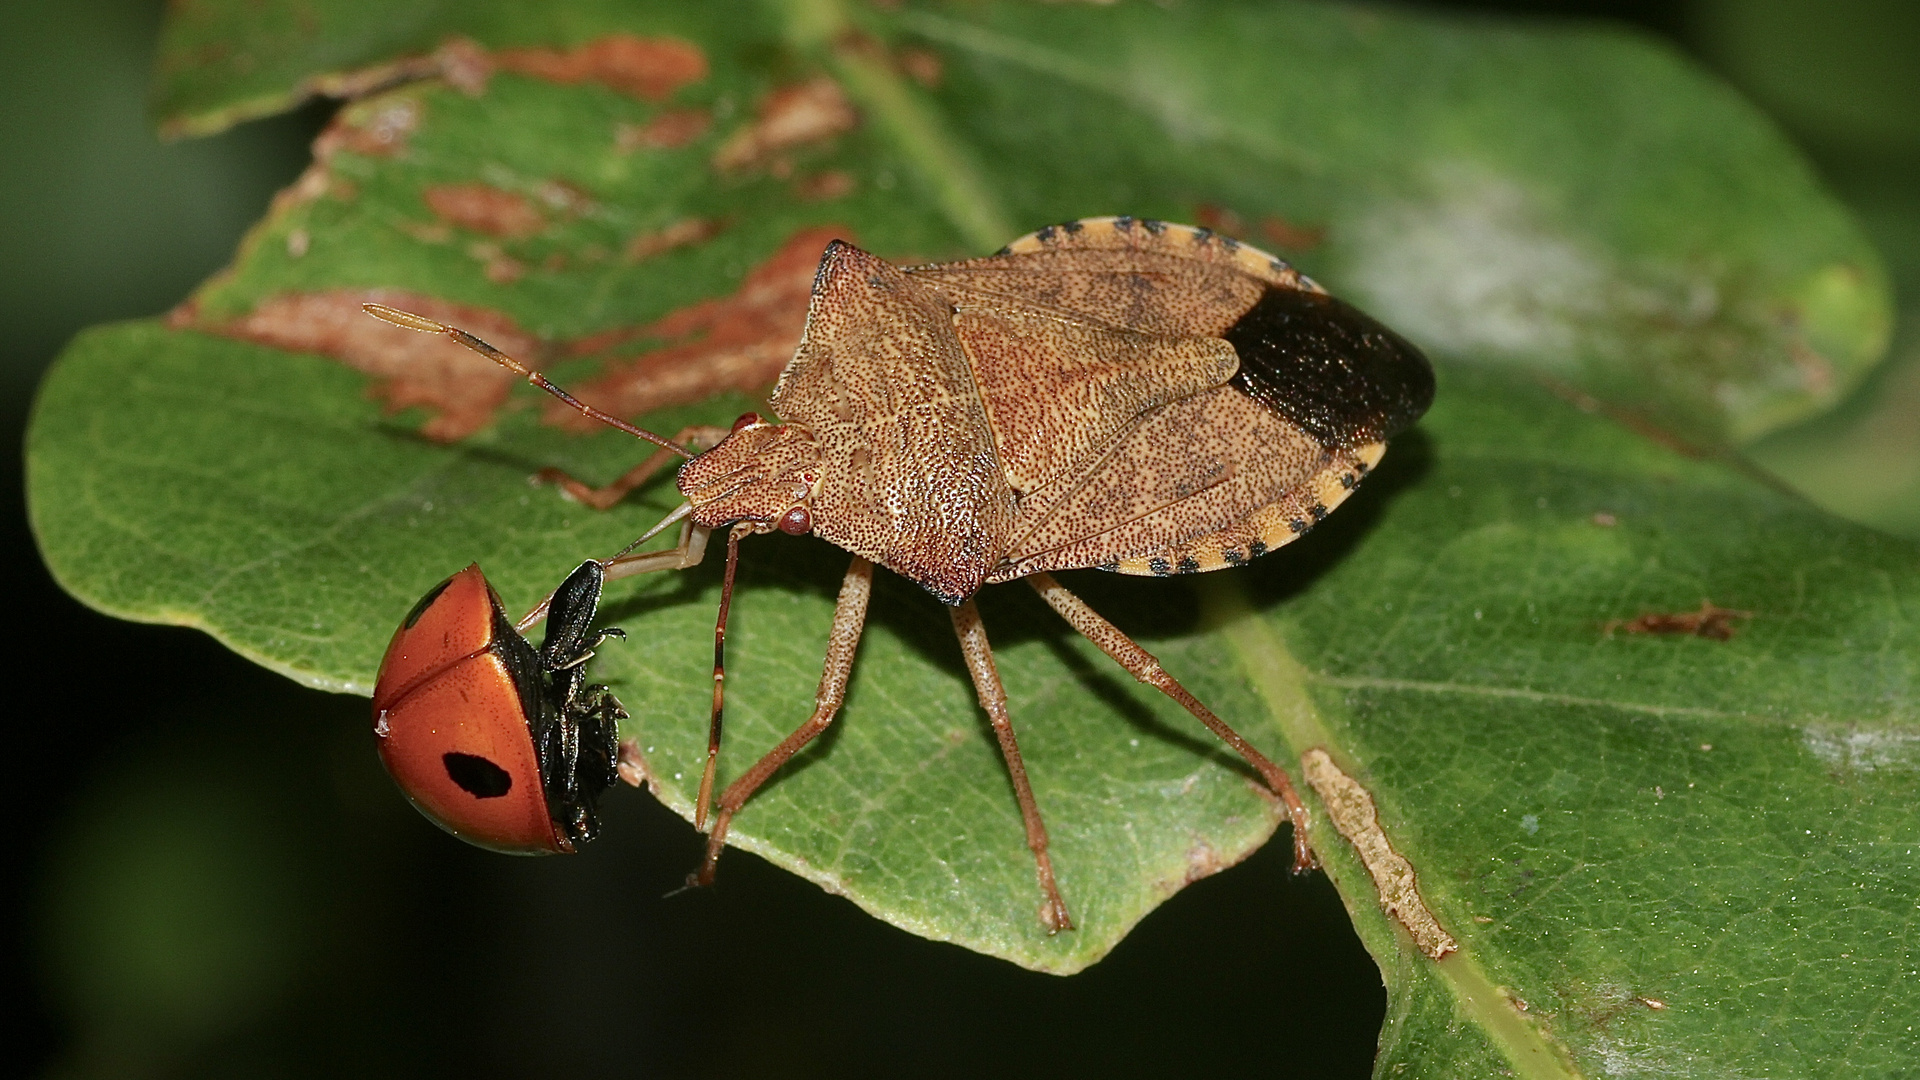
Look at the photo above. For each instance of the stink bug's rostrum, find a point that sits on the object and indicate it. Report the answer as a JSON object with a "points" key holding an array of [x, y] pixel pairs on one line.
{"points": [[1115, 393], [497, 743]]}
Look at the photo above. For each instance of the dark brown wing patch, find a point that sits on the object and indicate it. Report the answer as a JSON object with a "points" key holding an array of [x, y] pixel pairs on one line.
{"points": [[1329, 367]]}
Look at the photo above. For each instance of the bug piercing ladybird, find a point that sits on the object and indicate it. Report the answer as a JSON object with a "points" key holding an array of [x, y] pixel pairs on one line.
{"points": [[500, 744], [1116, 393]]}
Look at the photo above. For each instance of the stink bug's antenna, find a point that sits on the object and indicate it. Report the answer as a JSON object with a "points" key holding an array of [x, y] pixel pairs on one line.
{"points": [[427, 326]]}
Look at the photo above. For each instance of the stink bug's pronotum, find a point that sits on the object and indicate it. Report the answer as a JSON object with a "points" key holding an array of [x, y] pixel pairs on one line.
{"points": [[496, 743], [1115, 393]]}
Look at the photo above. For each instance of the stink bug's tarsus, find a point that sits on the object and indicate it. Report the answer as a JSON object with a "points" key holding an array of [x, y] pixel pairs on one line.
{"points": [[1113, 393]]}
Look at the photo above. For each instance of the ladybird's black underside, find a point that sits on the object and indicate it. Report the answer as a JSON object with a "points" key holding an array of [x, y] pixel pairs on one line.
{"points": [[575, 726], [1330, 368]]}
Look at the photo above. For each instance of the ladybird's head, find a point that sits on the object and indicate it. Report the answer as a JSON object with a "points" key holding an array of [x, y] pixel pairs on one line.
{"points": [[764, 473]]}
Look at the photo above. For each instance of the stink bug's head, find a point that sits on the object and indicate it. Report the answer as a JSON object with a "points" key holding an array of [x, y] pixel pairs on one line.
{"points": [[763, 472]]}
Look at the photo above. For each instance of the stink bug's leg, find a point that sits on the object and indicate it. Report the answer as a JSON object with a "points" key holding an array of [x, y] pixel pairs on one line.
{"points": [[691, 549], [1142, 666], [705, 799], [604, 498], [993, 698], [849, 618]]}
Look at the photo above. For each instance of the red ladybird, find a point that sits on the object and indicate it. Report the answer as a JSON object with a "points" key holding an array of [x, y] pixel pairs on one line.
{"points": [[498, 744]]}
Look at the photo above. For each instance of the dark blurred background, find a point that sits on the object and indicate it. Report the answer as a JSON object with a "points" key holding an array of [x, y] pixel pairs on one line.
{"points": [[215, 877]]}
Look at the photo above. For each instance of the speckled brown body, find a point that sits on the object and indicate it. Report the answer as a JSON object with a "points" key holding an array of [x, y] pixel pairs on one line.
{"points": [[1113, 393]]}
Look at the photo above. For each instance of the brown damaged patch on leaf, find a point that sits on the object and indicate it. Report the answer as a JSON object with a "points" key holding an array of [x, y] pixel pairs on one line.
{"points": [[1350, 808], [922, 66], [1219, 219], [312, 183], [1288, 236], [671, 130], [1277, 231], [498, 266], [680, 234], [461, 389], [375, 129], [647, 68], [459, 62], [790, 117], [1712, 622], [483, 208], [822, 187], [737, 342]]}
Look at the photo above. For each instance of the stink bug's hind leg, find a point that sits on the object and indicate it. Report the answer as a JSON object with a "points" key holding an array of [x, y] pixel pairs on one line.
{"points": [[849, 618], [993, 698], [1141, 665], [605, 498]]}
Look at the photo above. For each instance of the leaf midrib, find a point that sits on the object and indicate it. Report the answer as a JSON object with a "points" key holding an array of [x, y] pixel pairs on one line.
{"points": [[1280, 681]]}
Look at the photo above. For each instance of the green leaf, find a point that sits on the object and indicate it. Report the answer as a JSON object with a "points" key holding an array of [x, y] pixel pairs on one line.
{"points": [[1525, 201]]}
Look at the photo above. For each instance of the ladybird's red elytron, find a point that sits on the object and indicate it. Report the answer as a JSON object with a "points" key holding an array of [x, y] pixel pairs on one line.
{"points": [[497, 743]]}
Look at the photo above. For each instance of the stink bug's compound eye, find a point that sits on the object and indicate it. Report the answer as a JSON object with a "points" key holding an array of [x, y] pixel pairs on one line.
{"points": [[746, 420], [796, 522]]}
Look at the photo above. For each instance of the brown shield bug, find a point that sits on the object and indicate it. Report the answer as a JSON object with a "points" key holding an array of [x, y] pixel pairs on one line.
{"points": [[1116, 393]]}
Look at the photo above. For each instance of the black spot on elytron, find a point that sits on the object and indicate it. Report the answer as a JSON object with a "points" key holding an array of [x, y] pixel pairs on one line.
{"points": [[477, 776], [1188, 564], [1330, 368], [1256, 549], [1045, 235], [1298, 526], [426, 602], [1347, 480], [1153, 226], [1073, 227], [1123, 223], [1233, 556], [1159, 566]]}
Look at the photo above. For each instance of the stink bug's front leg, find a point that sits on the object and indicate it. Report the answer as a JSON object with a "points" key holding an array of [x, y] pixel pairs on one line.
{"points": [[699, 437], [687, 553], [1141, 665], [849, 618]]}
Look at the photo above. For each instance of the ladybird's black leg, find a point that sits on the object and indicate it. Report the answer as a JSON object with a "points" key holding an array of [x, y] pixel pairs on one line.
{"points": [[589, 735], [993, 698], [695, 438], [849, 618], [1142, 666], [705, 799], [600, 743]]}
